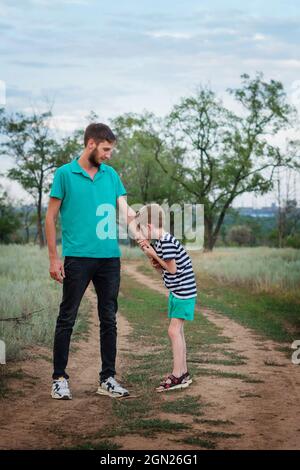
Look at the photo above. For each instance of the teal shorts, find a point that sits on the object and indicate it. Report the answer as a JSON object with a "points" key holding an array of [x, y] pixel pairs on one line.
{"points": [[181, 308]]}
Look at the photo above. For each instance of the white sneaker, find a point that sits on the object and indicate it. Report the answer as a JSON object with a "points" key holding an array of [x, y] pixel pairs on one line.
{"points": [[112, 388], [60, 389]]}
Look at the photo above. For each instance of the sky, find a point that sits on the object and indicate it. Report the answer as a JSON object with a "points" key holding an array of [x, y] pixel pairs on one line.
{"points": [[128, 56]]}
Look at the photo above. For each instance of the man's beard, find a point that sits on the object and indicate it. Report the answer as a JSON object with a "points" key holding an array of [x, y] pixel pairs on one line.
{"points": [[92, 159]]}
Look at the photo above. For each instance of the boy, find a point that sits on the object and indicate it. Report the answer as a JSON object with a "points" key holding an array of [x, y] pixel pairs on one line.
{"points": [[169, 257]]}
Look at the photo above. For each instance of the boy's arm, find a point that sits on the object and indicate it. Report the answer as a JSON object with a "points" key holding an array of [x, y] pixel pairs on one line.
{"points": [[169, 265], [155, 265]]}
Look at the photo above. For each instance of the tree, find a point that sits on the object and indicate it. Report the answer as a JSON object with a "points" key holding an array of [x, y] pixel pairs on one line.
{"points": [[218, 155], [27, 220], [30, 141], [9, 219], [138, 143]]}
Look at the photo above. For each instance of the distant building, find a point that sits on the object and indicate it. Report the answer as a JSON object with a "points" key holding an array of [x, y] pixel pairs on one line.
{"points": [[270, 211]]}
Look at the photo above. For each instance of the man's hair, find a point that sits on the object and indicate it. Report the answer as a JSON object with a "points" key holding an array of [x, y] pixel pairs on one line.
{"points": [[99, 132], [151, 214]]}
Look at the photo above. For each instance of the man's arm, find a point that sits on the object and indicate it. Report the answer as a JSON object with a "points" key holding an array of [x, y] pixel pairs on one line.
{"points": [[127, 216], [56, 268]]}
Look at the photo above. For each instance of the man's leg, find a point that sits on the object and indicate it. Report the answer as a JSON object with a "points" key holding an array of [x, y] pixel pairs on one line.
{"points": [[107, 282], [79, 272]]}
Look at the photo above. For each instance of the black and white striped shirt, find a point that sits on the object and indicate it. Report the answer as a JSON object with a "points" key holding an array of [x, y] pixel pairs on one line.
{"points": [[182, 284]]}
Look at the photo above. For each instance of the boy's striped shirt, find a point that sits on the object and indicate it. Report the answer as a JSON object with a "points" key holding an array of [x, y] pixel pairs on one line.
{"points": [[182, 284]]}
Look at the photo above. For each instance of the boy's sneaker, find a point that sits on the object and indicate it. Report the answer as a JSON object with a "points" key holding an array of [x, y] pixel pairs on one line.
{"points": [[187, 378], [112, 388], [172, 383], [60, 389]]}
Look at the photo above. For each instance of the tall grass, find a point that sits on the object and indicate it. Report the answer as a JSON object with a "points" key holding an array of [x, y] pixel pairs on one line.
{"points": [[25, 286], [262, 269]]}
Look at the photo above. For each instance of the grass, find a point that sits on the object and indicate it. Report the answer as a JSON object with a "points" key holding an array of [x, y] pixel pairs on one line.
{"points": [[26, 287], [213, 422], [198, 442], [157, 425], [269, 308], [101, 445], [262, 269], [223, 362], [228, 375], [221, 435], [258, 288], [151, 358], [5, 375], [273, 364], [188, 405]]}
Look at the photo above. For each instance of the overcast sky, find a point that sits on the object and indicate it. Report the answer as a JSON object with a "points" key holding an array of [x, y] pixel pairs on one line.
{"points": [[131, 55]]}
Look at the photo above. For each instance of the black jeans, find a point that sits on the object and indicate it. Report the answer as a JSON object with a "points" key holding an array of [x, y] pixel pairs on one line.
{"points": [[105, 275]]}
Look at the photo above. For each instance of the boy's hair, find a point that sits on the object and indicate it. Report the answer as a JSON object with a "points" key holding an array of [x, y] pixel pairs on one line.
{"points": [[151, 214], [99, 132]]}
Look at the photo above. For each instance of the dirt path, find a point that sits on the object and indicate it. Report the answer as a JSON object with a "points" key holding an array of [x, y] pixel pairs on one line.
{"points": [[266, 414], [30, 419]]}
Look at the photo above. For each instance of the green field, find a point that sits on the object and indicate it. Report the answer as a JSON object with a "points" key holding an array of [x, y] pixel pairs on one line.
{"points": [[27, 291], [257, 287]]}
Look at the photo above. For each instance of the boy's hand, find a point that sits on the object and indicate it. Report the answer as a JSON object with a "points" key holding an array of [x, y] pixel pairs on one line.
{"points": [[149, 251], [155, 264], [143, 243]]}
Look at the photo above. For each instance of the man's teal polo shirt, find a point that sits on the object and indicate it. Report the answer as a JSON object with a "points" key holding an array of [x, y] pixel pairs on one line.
{"points": [[88, 210]]}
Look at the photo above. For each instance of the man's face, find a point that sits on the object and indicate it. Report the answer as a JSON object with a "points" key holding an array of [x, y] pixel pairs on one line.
{"points": [[100, 152]]}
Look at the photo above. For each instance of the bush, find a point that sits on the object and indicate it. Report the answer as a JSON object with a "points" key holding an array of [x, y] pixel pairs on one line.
{"points": [[241, 235], [293, 241]]}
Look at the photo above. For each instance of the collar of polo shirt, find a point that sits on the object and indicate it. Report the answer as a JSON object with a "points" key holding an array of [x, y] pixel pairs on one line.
{"points": [[76, 168]]}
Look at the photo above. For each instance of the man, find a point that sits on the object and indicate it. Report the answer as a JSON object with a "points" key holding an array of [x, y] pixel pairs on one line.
{"points": [[82, 191]]}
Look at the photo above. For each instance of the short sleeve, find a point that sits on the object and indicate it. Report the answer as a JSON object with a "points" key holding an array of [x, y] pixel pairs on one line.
{"points": [[168, 250], [57, 188], [120, 189]]}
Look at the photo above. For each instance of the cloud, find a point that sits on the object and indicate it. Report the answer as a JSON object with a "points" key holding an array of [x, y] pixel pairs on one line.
{"points": [[169, 34], [42, 65], [259, 37]]}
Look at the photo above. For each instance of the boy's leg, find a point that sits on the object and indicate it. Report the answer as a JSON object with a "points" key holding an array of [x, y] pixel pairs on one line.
{"points": [[184, 364], [78, 273], [178, 345], [107, 282]]}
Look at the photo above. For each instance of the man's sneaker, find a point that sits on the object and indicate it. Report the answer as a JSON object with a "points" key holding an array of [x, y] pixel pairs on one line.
{"points": [[172, 383], [60, 389], [112, 388]]}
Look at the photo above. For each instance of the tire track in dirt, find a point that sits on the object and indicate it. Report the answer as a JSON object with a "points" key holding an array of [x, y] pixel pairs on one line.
{"points": [[267, 413], [31, 419]]}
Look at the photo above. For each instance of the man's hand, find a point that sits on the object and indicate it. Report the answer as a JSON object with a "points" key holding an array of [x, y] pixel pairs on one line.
{"points": [[56, 270]]}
